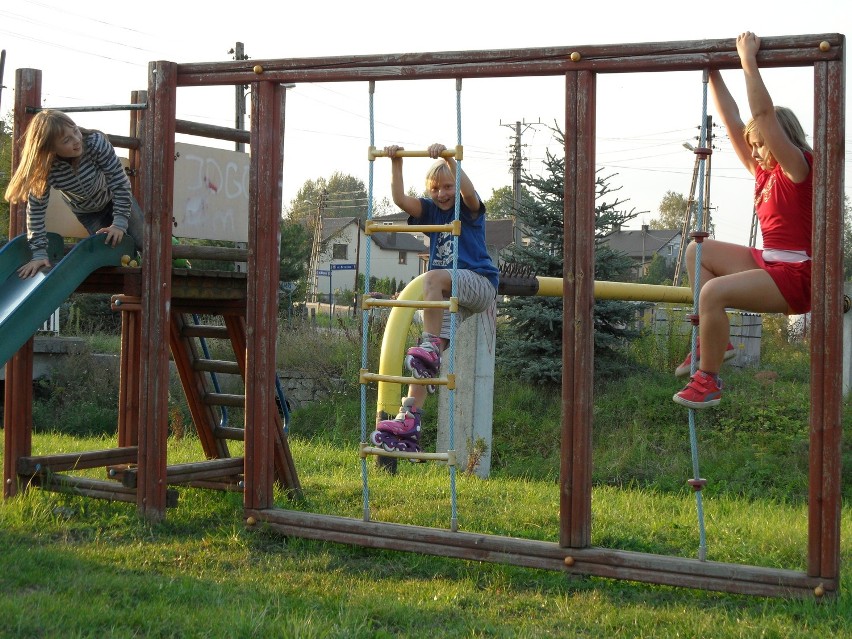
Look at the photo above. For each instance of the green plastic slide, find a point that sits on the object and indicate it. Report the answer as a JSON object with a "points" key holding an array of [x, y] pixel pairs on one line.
{"points": [[26, 304]]}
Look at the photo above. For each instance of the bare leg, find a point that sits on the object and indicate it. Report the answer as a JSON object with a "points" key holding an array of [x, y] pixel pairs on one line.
{"points": [[729, 278], [437, 286], [752, 290]]}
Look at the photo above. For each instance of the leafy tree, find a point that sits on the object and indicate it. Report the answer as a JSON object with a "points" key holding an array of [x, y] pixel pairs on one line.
{"points": [[295, 253], [384, 207], [660, 271], [5, 173], [532, 344], [672, 209], [501, 204], [341, 195]]}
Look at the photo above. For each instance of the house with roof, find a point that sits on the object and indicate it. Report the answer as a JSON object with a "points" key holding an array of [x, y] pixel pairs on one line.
{"points": [[643, 244], [499, 235], [344, 253], [399, 256]]}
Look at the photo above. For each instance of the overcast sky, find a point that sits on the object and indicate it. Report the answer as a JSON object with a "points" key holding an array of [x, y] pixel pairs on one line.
{"points": [[93, 52]]}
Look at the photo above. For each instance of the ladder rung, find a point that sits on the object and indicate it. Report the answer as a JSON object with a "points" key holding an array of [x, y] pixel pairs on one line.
{"points": [[457, 153], [229, 432], [452, 304], [366, 449], [453, 227], [449, 381], [216, 366], [225, 399], [201, 330]]}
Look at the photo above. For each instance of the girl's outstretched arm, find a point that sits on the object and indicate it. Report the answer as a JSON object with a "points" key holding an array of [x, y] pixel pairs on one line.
{"points": [[787, 154], [728, 110], [407, 203]]}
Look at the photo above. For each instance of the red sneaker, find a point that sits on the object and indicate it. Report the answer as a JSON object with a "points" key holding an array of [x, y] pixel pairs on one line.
{"points": [[686, 366], [704, 390]]}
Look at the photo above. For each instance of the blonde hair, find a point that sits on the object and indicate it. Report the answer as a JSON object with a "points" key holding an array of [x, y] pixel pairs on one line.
{"points": [[791, 125], [37, 155], [439, 169]]}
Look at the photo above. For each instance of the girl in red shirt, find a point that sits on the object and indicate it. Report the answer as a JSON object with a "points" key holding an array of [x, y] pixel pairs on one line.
{"points": [[777, 278]]}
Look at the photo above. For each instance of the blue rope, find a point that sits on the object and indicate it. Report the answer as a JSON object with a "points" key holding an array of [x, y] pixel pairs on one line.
{"points": [[699, 224], [454, 522], [364, 315]]}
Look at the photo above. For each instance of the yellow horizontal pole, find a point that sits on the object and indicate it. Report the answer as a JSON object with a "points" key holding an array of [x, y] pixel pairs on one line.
{"points": [[381, 452], [627, 291], [371, 226], [451, 304], [449, 381], [457, 153]]}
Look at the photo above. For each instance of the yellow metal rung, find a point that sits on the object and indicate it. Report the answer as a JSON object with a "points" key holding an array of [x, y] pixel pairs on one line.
{"points": [[457, 153], [451, 304], [449, 381], [370, 227], [366, 449]]}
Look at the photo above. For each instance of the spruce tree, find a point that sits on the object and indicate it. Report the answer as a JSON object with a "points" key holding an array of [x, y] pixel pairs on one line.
{"points": [[530, 344]]}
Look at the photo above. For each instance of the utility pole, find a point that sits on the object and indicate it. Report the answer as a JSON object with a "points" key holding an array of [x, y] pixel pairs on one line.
{"points": [[240, 97], [315, 246], [701, 218], [517, 159], [239, 124]]}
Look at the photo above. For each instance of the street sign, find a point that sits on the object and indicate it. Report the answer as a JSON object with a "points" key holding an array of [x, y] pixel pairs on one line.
{"points": [[323, 273], [342, 267]]}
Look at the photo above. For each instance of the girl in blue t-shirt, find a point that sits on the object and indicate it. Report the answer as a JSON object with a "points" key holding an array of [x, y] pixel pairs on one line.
{"points": [[476, 279]]}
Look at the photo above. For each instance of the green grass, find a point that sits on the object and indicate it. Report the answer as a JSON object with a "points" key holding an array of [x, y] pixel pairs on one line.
{"points": [[72, 567]]}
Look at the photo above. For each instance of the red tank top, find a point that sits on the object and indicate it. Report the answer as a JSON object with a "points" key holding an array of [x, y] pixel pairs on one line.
{"points": [[784, 208]]}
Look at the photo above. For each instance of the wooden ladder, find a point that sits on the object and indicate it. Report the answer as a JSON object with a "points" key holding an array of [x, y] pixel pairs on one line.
{"points": [[206, 404]]}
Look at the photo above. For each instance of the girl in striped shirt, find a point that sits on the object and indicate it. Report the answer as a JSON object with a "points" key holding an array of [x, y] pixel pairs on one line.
{"points": [[82, 165]]}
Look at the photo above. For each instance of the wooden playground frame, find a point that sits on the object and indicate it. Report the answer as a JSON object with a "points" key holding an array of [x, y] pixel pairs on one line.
{"points": [[579, 66]]}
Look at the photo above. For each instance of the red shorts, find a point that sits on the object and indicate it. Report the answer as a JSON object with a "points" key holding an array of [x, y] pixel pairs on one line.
{"points": [[793, 279]]}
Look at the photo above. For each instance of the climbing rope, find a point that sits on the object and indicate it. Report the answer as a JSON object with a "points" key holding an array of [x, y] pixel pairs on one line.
{"points": [[451, 434], [697, 483], [365, 313]]}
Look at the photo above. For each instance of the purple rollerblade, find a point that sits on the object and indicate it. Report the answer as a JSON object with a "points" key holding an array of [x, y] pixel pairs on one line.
{"points": [[424, 361], [402, 433]]}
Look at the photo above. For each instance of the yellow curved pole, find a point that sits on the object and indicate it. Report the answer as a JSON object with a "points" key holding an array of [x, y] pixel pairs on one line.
{"points": [[393, 347], [399, 322]]}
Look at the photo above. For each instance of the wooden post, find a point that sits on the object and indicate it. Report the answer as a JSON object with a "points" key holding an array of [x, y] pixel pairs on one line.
{"points": [[157, 191], [131, 327], [18, 404], [827, 315], [267, 155], [578, 299]]}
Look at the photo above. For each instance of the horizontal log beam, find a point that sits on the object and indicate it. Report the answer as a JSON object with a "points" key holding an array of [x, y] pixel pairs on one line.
{"points": [[211, 469], [601, 562], [97, 489], [219, 253], [74, 461], [187, 127], [801, 50]]}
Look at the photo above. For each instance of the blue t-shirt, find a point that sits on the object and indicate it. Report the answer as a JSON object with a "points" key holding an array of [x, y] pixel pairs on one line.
{"points": [[472, 253]]}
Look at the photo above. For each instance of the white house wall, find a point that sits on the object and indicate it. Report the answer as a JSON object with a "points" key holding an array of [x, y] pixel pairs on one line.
{"points": [[383, 263]]}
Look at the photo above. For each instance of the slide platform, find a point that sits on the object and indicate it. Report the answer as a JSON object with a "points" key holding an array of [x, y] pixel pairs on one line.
{"points": [[26, 304]]}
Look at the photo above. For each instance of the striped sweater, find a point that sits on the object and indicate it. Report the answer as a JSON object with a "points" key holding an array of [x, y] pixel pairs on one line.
{"points": [[87, 187]]}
